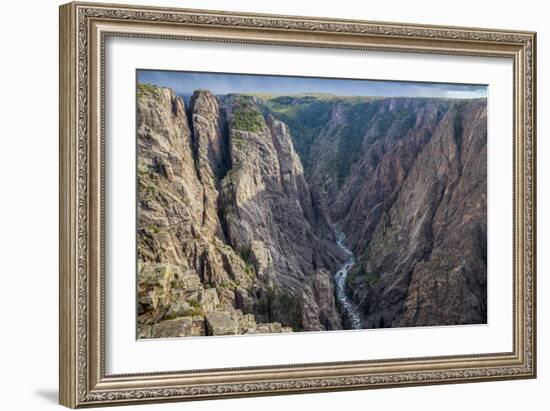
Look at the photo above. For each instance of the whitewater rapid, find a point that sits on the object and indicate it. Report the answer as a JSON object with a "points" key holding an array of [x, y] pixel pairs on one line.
{"points": [[349, 309]]}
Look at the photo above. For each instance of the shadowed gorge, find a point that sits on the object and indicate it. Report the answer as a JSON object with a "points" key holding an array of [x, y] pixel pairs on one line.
{"points": [[265, 214]]}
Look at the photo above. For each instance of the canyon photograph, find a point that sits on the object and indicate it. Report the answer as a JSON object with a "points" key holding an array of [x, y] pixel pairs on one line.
{"points": [[278, 204]]}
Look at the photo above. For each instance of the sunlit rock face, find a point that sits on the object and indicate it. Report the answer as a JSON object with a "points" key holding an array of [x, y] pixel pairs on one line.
{"points": [[240, 199]]}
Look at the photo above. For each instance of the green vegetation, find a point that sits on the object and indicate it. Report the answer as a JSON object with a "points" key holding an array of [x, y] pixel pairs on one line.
{"points": [[148, 183], [194, 310], [308, 116], [305, 115], [304, 97], [292, 307], [401, 117], [246, 254], [360, 117], [352, 275], [247, 257], [153, 229], [287, 305], [145, 88], [249, 269], [230, 177], [351, 135], [227, 285], [239, 142], [372, 278], [359, 273], [247, 117], [262, 308]]}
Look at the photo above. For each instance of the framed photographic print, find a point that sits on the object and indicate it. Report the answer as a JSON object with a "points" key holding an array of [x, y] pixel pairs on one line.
{"points": [[259, 204]]}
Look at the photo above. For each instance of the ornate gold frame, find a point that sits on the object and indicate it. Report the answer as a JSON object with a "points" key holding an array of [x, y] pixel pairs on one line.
{"points": [[83, 30]]}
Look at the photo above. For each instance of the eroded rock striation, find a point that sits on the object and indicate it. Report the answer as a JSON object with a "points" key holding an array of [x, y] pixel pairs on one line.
{"points": [[405, 179], [240, 197], [226, 227], [426, 261]]}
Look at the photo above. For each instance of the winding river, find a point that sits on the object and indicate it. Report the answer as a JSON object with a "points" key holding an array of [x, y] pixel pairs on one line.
{"points": [[348, 308]]}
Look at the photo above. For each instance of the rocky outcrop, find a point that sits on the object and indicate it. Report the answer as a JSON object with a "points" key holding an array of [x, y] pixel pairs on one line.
{"points": [[271, 222], [172, 304], [223, 212], [181, 248], [210, 144], [405, 180], [234, 322], [239, 199], [319, 302], [426, 261]]}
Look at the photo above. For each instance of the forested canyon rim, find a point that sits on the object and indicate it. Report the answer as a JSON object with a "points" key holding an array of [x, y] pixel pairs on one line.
{"points": [[241, 198]]}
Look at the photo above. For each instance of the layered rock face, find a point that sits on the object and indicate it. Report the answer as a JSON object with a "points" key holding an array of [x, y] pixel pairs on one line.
{"points": [[405, 180], [240, 197], [182, 257], [226, 237], [426, 261], [271, 222]]}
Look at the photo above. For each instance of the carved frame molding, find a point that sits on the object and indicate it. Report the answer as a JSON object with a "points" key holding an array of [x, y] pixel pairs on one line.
{"points": [[84, 27]]}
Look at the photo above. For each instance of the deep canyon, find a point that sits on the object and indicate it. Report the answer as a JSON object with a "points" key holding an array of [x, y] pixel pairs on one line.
{"points": [[269, 213]]}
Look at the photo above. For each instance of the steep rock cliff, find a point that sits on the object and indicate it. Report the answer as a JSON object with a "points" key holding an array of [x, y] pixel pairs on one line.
{"points": [[405, 180], [223, 209], [426, 261], [271, 222], [184, 267], [240, 197]]}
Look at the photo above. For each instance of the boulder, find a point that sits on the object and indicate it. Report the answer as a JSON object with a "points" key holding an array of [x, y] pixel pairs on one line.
{"points": [[178, 327], [221, 323]]}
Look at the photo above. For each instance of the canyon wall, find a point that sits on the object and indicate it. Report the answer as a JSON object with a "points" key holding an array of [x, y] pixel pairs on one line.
{"points": [[240, 197], [406, 180], [226, 223]]}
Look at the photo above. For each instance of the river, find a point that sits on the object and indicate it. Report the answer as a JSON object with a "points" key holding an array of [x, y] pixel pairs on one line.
{"points": [[349, 310]]}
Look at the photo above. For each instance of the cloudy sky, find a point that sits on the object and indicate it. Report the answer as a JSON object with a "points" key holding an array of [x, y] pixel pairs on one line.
{"points": [[184, 83]]}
